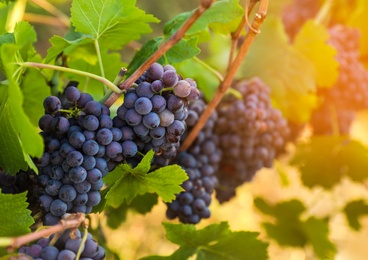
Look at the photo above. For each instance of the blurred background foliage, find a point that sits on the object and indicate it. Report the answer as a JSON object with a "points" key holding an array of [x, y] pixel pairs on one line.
{"points": [[142, 235]]}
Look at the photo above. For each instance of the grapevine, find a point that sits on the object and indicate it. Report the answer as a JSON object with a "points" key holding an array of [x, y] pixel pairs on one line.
{"points": [[231, 115]]}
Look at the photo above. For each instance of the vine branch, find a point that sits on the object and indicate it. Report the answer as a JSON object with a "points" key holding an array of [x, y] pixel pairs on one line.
{"points": [[177, 36], [104, 81], [73, 221], [259, 17]]}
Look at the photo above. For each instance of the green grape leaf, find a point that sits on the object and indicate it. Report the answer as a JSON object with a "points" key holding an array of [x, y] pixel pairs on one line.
{"points": [[34, 90], [345, 157], [316, 231], [78, 48], [183, 50], [289, 230], [288, 73], [223, 17], [144, 52], [215, 241], [23, 37], [112, 65], [358, 19], [311, 40], [141, 204], [110, 19], [353, 210], [19, 139], [15, 218], [165, 182]]}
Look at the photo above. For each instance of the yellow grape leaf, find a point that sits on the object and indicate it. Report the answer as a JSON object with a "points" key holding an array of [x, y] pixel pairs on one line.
{"points": [[288, 73], [359, 19], [311, 40]]}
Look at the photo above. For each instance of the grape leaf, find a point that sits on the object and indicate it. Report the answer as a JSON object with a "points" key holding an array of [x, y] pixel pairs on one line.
{"points": [[19, 139], [183, 50], [288, 73], [223, 17], [133, 182], [316, 231], [353, 210], [141, 204], [110, 19], [15, 218], [144, 52], [34, 90], [215, 241], [345, 157], [289, 230], [81, 47], [311, 40], [358, 18], [23, 37]]}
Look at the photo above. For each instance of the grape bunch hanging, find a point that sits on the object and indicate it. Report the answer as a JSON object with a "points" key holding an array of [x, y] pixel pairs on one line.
{"points": [[251, 134], [350, 93]]}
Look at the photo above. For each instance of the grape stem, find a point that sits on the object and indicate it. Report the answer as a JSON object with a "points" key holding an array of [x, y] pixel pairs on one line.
{"points": [[74, 221], [209, 68], [106, 82], [235, 35], [259, 17], [99, 57], [116, 81], [177, 36]]}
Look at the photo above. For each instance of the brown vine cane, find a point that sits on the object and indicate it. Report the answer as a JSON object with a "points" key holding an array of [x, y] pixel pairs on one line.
{"points": [[177, 36], [259, 17], [72, 221]]}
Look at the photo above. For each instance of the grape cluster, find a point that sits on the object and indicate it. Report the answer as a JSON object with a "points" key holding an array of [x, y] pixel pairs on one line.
{"points": [[153, 114], [200, 162], [251, 132], [297, 13], [65, 248], [81, 147], [350, 93]]}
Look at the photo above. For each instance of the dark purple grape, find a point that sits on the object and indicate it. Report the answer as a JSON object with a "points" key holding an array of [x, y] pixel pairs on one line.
{"points": [[91, 122], [58, 207], [74, 159], [129, 148], [143, 105], [155, 71], [170, 78], [93, 108], [67, 193], [151, 120], [157, 86], [51, 104], [72, 93]]}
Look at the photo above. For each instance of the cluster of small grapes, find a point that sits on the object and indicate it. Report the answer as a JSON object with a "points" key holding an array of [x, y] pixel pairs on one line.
{"points": [[65, 248], [81, 147], [200, 162], [251, 132], [297, 13], [153, 114], [350, 92]]}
